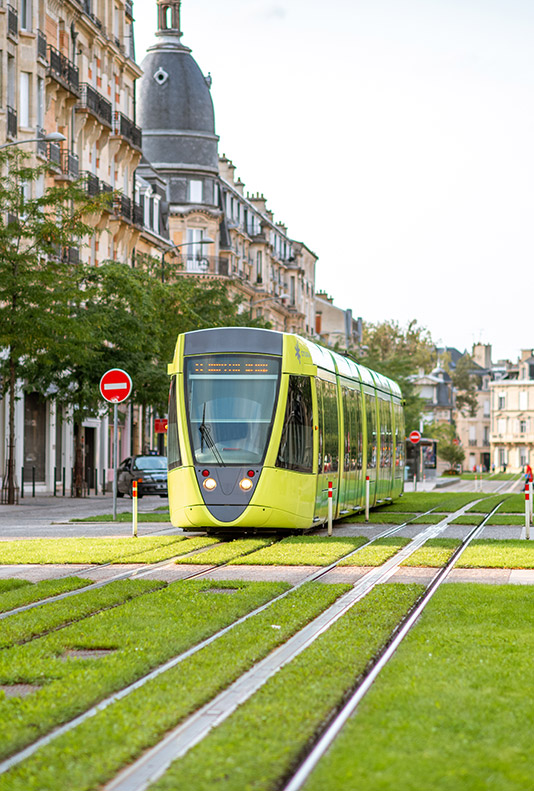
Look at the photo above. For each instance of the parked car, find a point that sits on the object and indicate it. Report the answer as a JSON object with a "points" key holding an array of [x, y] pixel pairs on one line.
{"points": [[150, 472]]}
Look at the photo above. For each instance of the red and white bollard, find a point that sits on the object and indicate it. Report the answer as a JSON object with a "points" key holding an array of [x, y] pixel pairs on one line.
{"points": [[330, 507], [134, 509], [367, 487], [527, 512]]}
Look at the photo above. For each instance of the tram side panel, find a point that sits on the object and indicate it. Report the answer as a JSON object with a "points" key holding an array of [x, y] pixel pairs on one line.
{"points": [[329, 444]]}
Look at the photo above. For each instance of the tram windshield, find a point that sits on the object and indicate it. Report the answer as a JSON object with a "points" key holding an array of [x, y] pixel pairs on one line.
{"points": [[230, 406]]}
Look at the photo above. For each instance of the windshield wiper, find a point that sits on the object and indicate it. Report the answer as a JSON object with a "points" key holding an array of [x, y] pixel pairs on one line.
{"points": [[205, 436]]}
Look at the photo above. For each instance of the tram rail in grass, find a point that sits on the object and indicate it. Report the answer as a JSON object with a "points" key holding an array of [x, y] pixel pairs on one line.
{"points": [[19, 595]]}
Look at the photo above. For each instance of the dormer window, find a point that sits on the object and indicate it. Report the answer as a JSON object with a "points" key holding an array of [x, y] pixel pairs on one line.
{"points": [[195, 191]]}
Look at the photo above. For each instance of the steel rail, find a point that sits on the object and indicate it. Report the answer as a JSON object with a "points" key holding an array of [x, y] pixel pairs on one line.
{"points": [[333, 729]]}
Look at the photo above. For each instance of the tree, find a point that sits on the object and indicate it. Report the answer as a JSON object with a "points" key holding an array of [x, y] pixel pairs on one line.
{"points": [[399, 353], [466, 385], [449, 448], [38, 286]]}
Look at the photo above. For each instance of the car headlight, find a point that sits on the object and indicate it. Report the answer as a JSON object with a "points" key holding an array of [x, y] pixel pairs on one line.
{"points": [[210, 484], [246, 485]]}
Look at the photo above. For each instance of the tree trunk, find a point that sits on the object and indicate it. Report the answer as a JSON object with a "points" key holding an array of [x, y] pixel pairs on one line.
{"points": [[11, 443], [78, 461]]}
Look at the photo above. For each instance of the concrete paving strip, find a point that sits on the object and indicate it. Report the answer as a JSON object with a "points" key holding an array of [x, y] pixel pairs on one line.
{"points": [[155, 762]]}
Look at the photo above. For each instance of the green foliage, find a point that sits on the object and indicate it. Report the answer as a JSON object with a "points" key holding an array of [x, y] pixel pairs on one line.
{"points": [[90, 755], [400, 352], [29, 592], [448, 450], [466, 385], [303, 551], [453, 709], [258, 745]]}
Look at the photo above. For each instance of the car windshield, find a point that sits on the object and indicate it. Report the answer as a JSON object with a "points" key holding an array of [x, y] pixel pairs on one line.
{"points": [[230, 405], [150, 463]]}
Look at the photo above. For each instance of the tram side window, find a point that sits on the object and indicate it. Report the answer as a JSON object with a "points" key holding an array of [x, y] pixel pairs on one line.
{"points": [[359, 429], [370, 409], [173, 446], [296, 445], [399, 441], [331, 428], [385, 433]]}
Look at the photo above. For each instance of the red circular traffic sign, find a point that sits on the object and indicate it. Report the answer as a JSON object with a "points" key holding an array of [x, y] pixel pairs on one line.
{"points": [[415, 437], [115, 385]]}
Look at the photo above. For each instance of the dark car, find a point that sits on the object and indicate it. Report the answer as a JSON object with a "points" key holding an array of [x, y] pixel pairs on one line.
{"points": [[150, 472]]}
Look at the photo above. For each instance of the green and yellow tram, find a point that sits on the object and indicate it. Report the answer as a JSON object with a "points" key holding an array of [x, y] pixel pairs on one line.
{"points": [[260, 422]]}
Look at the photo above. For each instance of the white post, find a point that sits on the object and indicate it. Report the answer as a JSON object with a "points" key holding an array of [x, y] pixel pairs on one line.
{"points": [[115, 453], [330, 508], [415, 482], [531, 501], [134, 509], [527, 513], [367, 499]]}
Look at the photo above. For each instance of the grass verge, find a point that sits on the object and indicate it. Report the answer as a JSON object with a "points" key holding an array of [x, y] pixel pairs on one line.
{"points": [[159, 516], [379, 517], [453, 709], [515, 504], [93, 550], [36, 591], [228, 551], [495, 554], [141, 634], [11, 584], [25, 626], [434, 553], [91, 754], [376, 553], [260, 742], [488, 504], [303, 551]]}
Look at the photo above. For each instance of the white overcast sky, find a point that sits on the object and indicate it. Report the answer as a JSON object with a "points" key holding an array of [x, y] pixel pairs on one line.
{"points": [[395, 138]]}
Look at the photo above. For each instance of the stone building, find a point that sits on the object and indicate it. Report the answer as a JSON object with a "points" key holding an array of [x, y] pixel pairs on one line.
{"points": [[512, 416], [334, 326]]}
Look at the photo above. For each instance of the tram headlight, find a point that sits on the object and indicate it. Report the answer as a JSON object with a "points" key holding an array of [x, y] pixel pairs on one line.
{"points": [[246, 485], [210, 484]]}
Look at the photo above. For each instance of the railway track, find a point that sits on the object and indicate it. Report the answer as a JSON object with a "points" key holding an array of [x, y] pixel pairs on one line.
{"points": [[277, 659]]}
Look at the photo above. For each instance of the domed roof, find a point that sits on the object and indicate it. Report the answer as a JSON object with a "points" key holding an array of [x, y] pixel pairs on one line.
{"points": [[175, 109]]}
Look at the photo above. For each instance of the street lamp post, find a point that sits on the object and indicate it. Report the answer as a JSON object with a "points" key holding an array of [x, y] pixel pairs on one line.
{"points": [[206, 240], [52, 137]]}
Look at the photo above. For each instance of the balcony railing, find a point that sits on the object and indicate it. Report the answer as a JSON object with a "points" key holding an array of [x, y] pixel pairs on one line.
{"points": [[70, 164], [42, 145], [41, 45], [11, 122], [54, 153], [63, 70], [12, 21], [95, 186], [123, 207], [92, 100], [125, 127], [70, 255], [128, 8], [138, 214], [473, 443], [203, 265]]}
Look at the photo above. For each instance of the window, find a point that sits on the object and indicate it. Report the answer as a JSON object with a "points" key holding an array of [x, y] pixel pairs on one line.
{"points": [[259, 266], [501, 401], [195, 191], [25, 15], [501, 425], [330, 442], [40, 102], [296, 445], [195, 251], [522, 426], [174, 458], [215, 194], [24, 99], [370, 409], [486, 408], [523, 399]]}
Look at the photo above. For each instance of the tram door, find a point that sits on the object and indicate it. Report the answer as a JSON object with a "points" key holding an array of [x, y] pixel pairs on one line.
{"points": [[372, 440], [329, 439]]}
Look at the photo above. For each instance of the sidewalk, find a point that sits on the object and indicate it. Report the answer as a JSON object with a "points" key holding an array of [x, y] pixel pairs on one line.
{"points": [[44, 517]]}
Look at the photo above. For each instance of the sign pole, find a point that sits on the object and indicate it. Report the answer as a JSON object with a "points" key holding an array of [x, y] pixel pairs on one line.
{"points": [[531, 500], [367, 499], [115, 465], [527, 513], [134, 509]]}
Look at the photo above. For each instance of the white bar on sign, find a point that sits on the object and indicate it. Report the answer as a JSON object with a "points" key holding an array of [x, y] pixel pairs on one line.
{"points": [[118, 386]]}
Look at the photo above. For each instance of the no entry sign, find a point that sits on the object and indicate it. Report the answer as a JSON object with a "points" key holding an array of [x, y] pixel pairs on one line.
{"points": [[415, 437], [115, 386]]}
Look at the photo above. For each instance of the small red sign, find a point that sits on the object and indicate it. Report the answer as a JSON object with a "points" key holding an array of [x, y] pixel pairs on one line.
{"points": [[415, 437], [160, 425], [115, 385]]}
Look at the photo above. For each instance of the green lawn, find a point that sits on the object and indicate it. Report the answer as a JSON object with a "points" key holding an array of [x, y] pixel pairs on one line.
{"points": [[28, 592], [144, 549], [258, 744], [88, 756], [417, 502], [376, 553], [380, 517], [453, 709], [127, 517], [433, 554], [303, 551], [223, 553], [494, 554]]}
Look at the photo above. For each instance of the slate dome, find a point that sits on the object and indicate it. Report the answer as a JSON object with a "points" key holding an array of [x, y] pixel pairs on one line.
{"points": [[175, 108]]}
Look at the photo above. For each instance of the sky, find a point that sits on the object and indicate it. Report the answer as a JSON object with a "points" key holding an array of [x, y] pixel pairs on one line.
{"points": [[395, 138]]}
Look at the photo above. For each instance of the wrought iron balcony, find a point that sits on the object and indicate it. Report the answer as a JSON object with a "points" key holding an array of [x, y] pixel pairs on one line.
{"points": [[138, 214], [123, 207], [92, 100], [126, 128], [12, 21], [63, 70], [70, 255], [70, 164], [42, 145], [95, 186], [11, 122], [128, 8], [54, 153], [41, 45]]}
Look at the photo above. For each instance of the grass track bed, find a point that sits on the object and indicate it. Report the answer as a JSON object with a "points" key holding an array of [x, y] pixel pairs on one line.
{"points": [[376, 553], [433, 554], [95, 550], [142, 633], [258, 744], [227, 552], [513, 520], [11, 584], [382, 518], [416, 502], [488, 504], [158, 516], [24, 626], [453, 709], [31, 592], [495, 554], [303, 551], [88, 756], [514, 504]]}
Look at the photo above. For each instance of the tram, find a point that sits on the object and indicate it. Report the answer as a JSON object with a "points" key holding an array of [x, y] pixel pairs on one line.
{"points": [[260, 422]]}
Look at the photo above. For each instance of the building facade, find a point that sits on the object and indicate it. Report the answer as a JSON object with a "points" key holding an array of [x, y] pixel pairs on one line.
{"points": [[512, 416]]}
